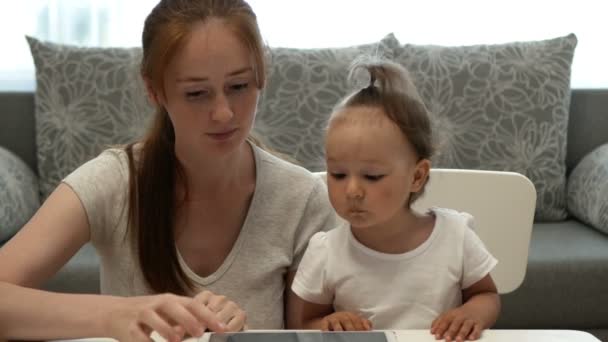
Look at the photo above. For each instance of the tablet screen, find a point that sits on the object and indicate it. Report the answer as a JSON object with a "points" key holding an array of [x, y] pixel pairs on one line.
{"points": [[303, 336]]}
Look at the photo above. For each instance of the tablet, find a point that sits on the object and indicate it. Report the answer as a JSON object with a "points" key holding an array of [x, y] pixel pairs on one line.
{"points": [[301, 336]]}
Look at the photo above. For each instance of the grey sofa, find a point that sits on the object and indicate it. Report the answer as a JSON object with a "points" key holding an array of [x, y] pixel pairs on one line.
{"points": [[567, 276]]}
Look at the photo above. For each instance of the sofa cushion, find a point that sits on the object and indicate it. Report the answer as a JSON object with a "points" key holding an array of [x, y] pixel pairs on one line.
{"points": [[588, 189], [19, 189], [86, 100], [501, 107], [303, 87]]}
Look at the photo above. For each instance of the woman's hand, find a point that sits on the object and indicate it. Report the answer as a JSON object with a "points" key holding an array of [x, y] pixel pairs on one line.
{"points": [[172, 316], [345, 321]]}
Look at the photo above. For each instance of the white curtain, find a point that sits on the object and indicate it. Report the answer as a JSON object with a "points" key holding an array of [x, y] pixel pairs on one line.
{"points": [[321, 23]]}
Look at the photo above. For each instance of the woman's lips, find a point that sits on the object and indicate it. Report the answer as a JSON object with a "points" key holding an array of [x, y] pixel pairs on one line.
{"points": [[225, 135]]}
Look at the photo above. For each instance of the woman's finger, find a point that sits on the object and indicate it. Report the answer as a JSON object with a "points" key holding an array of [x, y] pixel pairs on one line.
{"points": [[237, 322], [217, 303], [138, 333], [227, 312], [149, 320], [179, 314], [205, 316]]}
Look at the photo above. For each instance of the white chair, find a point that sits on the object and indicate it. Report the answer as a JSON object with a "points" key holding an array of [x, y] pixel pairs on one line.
{"points": [[503, 205]]}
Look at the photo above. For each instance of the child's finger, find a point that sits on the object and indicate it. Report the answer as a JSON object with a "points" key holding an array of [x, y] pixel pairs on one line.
{"points": [[347, 323], [325, 324], [440, 328], [453, 329], [465, 330], [334, 324], [358, 323], [475, 333], [436, 324]]}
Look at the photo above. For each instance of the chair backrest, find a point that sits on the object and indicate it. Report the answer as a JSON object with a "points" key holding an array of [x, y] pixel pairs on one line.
{"points": [[502, 204]]}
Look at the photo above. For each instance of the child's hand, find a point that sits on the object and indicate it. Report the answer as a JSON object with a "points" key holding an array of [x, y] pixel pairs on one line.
{"points": [[457, 325], [345, 321]]}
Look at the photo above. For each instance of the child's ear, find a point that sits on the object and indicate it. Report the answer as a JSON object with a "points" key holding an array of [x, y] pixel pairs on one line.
{"points": [[421, 174]]}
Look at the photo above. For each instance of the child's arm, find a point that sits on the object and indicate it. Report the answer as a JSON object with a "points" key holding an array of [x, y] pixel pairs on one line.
{"points": [[307, 315], [479, 311]]}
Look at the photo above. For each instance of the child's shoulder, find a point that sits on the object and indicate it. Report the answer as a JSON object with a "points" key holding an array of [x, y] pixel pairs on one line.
{"points": [[453, 218], [332, 236]]}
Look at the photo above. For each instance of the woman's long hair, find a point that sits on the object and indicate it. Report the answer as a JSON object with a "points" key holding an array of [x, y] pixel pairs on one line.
{"points": [[154, 170]]}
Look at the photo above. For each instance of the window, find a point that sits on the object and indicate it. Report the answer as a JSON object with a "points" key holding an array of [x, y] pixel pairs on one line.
{"points": [[320, 23]]}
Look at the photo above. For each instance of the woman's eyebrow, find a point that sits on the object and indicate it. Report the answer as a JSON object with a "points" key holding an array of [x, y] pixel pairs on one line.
{"points": [[192, 79]]}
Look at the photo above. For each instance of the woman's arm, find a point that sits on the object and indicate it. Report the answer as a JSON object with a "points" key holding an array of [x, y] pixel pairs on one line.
{"points": [[42, 247], [53, 235]]}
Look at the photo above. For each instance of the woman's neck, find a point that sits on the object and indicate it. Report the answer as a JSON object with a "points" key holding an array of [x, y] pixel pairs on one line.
{"points": [[207, 178]]}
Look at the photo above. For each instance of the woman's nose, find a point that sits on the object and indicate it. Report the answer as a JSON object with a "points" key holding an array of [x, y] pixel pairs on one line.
{"points": [[221, 111]]}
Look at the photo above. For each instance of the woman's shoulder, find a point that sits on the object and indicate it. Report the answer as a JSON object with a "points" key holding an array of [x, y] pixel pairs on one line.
{"points": [[110, 166], [281, 171]]}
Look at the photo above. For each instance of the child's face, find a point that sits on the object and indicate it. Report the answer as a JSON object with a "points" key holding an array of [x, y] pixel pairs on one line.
{"points": [[371, 167]]}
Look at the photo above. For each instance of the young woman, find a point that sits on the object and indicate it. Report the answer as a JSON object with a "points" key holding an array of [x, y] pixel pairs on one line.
{"points": [[193, 210]]}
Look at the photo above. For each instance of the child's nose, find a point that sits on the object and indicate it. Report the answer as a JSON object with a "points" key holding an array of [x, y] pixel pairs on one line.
{"points": [[354, 189]]}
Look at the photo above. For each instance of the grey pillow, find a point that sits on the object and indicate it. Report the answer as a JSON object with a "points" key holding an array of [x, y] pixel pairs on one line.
{"points": [[303, 87], [501, 107], [19, 189], [86, 100], [588, 189]]}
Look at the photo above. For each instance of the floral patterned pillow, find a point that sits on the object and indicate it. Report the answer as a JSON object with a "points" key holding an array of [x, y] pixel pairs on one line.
{"points": [[501, 107], [86, 100], [19, 189], [588, 189], [303, 87]]}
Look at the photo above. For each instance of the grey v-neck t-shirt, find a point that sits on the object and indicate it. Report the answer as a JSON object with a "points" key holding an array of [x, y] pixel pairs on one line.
{"points": [[289, 205]]}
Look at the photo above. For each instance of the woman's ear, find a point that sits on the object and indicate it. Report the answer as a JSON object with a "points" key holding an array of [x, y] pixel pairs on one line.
{"points": [[153, 95], [421, 174]]}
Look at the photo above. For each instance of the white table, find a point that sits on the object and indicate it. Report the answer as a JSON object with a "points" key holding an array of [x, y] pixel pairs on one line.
{"points": [[508, 336], [425, 336]]}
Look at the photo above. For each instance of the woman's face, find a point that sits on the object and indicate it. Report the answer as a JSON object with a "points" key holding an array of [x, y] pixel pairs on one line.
{"points": [[211, 92]]}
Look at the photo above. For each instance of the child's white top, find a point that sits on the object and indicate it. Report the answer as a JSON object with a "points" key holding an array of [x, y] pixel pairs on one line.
{"points": [[395, 291]]}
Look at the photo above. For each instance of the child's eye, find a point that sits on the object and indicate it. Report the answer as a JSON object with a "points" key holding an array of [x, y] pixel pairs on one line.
{"points": [[374, 178], [337, 175], [239, 86]]}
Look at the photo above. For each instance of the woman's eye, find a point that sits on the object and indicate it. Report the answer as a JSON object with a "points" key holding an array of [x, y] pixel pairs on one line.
{"points": [[337, 175], [373, 178], [195, 94]]}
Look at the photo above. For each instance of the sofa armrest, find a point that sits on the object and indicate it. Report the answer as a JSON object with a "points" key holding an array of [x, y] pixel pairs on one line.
{"points": [[588, 189], [20, 194]]}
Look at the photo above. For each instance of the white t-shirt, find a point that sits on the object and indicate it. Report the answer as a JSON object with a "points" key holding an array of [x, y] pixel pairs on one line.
{"points": [[289, 205], [395, 291]]}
